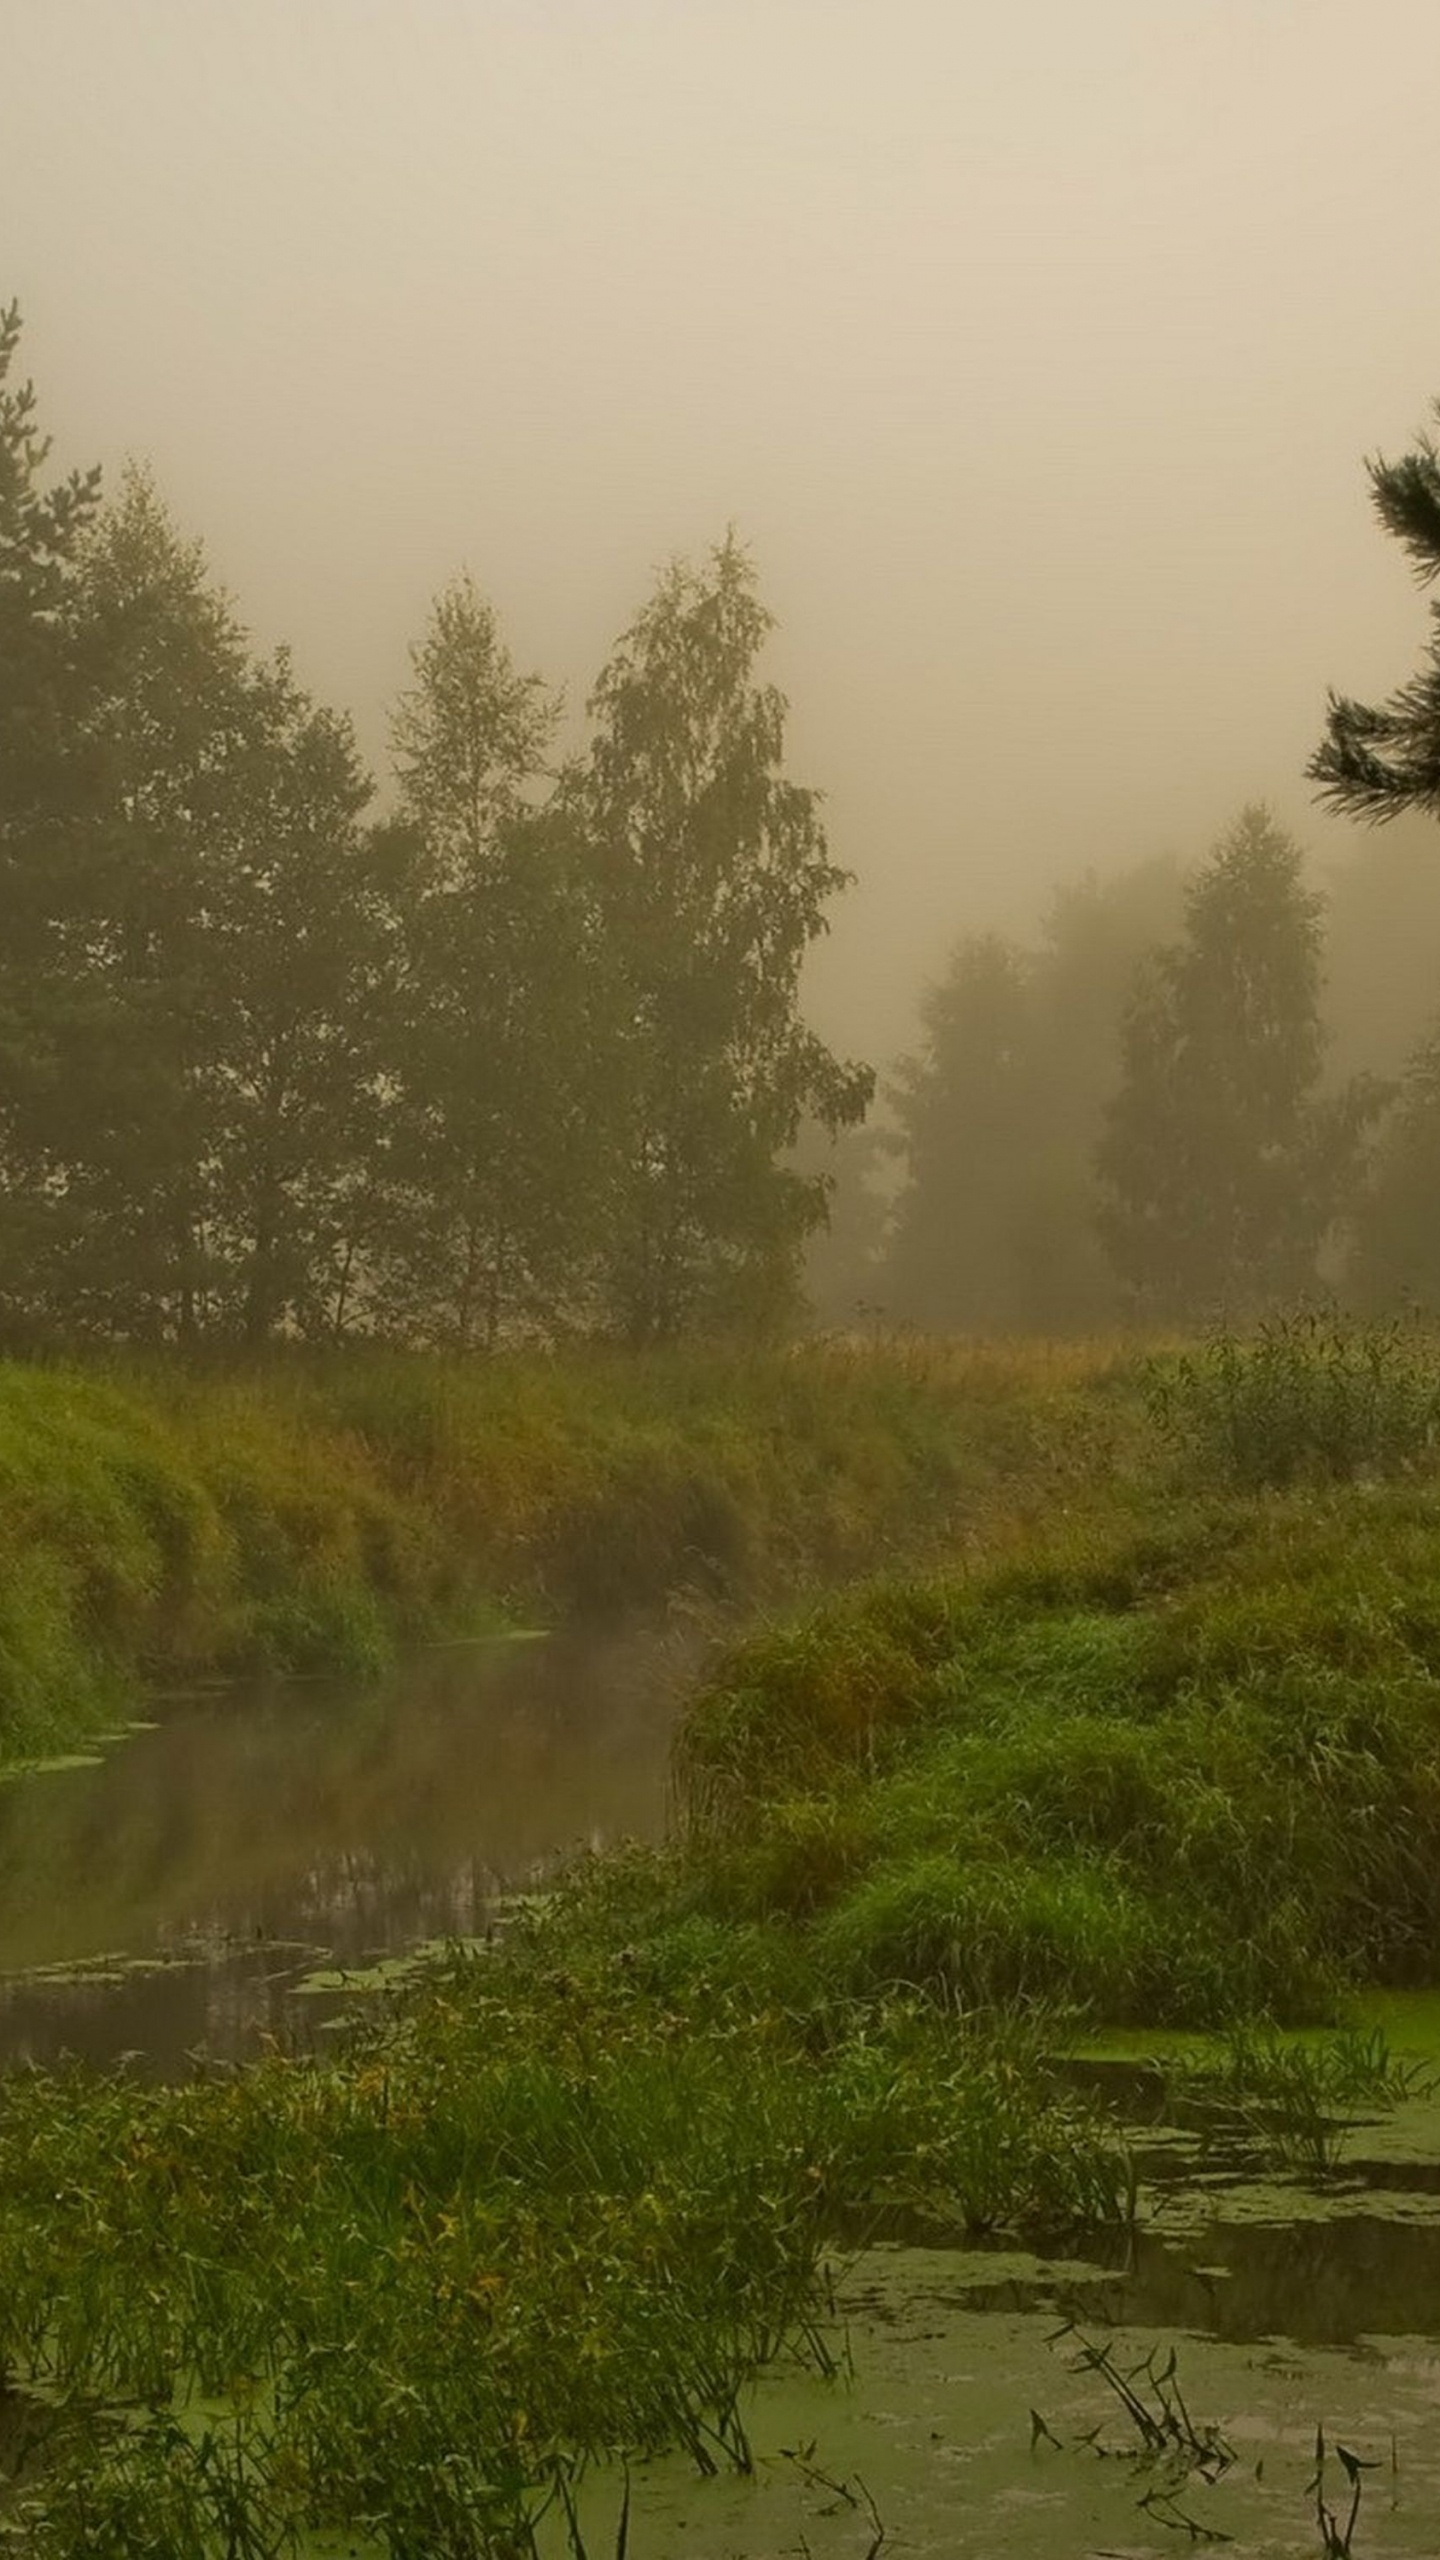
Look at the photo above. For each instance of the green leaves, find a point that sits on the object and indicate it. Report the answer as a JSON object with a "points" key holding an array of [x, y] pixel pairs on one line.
{"points": [[708, 876]]}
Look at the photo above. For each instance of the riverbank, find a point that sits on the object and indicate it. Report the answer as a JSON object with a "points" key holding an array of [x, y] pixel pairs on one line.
{"points": [[1172, 1757], [158, 1523]]}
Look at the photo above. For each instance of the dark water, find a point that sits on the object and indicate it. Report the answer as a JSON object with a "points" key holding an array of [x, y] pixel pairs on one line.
{"points": [[168, 1899]]}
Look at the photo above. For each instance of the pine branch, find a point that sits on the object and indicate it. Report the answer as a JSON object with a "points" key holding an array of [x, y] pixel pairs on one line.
{"points": [[1407, 501]]}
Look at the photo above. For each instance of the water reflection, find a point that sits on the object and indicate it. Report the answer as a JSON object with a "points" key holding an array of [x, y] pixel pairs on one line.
{"points": [[183, 1884]]}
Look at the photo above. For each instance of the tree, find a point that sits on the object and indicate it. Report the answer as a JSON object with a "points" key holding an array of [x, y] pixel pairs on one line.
{"points": [[1395, 1258], [46, 787], [1379, 759], [709, 880], [41, 669], [220, 953], [469, 738], [490, 1164], [963, 1106], [1222, 1171], [842, 1271], [165, 728], [299, 963], [999, 1112], [1382, 935]]}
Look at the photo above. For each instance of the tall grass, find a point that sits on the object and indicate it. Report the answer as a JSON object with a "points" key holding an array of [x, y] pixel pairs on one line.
{"points": [[552, 2213], [315, 1514], [1307, 1398]]}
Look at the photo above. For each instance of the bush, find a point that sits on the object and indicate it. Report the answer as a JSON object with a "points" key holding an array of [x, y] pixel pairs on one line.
{"points": [[1308, 1398]]}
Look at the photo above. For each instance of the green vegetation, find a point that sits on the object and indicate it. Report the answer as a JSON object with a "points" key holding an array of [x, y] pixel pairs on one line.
{"points": [[1165, 1750], [1293, 2097], [1182, 1775], [312, 1515], [563, 2208], [1306, 1399]]}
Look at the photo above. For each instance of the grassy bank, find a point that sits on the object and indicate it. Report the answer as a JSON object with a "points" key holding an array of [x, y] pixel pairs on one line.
{"points": [[1177, 1773], [1172, 1777], [157, 1522]]}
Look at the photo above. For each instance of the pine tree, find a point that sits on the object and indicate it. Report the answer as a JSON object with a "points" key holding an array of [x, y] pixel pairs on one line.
{"points": [[1379, 759]]}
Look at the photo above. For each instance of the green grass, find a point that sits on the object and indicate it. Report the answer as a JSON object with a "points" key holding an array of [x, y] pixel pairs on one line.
{"points": [[1292, 2098], [1171, 1779], [157, 1520]]}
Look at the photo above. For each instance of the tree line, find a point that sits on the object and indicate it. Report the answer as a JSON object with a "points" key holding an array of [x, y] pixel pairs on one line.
{"points": [[519, 1051], [1147, 1116], [1192, 1096]]}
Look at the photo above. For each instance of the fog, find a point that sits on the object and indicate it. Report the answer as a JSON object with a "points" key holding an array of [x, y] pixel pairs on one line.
{"points": [[1035, 353]]}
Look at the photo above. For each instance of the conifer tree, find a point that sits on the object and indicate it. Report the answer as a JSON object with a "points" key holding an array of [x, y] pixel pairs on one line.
{"points": [[1377, 759]]}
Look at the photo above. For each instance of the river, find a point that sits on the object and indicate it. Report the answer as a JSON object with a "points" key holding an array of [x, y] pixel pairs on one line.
{"points": [[171, 1896]]}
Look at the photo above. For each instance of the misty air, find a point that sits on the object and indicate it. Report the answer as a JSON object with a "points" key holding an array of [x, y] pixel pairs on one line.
{"points": [[719, 1279]]}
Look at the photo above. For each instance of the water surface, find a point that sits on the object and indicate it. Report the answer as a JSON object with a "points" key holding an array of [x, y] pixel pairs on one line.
{"points": [[167, 1898]]}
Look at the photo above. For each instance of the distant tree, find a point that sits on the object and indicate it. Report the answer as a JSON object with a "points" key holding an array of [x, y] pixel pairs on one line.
{"points": [[999, 1111], [43, 782], [1222, 1170], [1381, 941], [1395, 1254], [842, 1273], [964, 1113], [709, 878], [1094, 936], [491, 1166], [1379, 759]]}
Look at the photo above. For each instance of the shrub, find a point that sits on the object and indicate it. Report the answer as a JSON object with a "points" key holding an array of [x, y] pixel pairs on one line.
{"points": [[1307, 1398]]}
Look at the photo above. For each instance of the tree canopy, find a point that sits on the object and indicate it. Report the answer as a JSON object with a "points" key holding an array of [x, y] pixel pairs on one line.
{"points": [[524, 1052]]}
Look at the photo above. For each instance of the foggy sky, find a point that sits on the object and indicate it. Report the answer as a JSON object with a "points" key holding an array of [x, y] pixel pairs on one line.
{"points": [[1035, 350]]}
